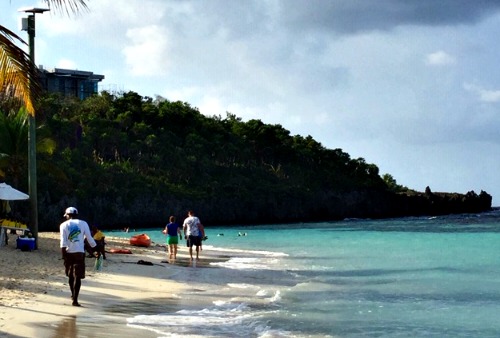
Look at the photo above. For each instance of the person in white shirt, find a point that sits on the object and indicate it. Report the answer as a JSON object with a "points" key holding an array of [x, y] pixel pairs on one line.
{"points": [[192, 231], [73, 233]]}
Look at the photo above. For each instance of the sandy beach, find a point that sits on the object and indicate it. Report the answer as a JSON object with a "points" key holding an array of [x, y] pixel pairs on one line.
{"points": [[35, 297]]}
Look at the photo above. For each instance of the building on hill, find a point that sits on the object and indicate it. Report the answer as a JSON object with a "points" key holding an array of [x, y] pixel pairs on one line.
{"points": [[77, 83]]}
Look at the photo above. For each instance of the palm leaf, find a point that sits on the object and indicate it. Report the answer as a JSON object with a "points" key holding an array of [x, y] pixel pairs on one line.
{"points": [[16, 69], [18, 75], [74, 6]]}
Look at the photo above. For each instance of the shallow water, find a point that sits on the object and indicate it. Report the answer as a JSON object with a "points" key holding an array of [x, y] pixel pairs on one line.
{"points": [[411, 277]]}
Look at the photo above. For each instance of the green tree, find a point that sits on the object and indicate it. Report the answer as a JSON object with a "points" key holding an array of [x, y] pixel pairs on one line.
{"points": [[14, 145], [392, 184], [130, 160]]}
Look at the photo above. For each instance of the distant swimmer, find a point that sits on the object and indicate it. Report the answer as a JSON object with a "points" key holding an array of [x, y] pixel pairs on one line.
{"points": [[220, 235], [242, 234]]}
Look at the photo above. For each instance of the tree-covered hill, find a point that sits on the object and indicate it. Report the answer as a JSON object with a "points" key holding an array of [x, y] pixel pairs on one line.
{"points": [[128, 160]]}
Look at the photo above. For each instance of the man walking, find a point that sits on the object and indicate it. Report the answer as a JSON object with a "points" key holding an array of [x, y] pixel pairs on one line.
{"points": [[193, 232], [73, 233]]}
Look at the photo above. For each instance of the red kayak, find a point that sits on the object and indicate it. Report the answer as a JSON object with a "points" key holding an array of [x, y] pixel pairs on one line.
{"points": [[140, 240]]}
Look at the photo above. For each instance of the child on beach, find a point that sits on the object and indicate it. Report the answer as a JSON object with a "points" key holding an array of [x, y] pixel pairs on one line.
{"points": [[99, 238]]}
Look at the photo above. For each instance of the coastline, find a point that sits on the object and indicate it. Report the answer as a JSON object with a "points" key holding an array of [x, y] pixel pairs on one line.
{"points": [[35, 298]]}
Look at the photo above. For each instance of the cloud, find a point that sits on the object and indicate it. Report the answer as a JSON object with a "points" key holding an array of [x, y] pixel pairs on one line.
{"points": [[439, 58], [147, 52], [105, 23], [353, 17], [66, 64], [184, 94], [484, 95]]}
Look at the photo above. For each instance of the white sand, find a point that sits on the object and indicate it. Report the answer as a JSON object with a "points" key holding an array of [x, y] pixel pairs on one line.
{"points": [[35, 297]]}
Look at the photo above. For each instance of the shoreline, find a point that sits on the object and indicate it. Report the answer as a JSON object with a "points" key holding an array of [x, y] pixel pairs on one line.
{"points": [[35, 298]]}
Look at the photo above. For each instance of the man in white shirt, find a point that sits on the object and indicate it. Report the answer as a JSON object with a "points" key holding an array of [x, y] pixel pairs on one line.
{"points": [[73, 234], [193, 232]]}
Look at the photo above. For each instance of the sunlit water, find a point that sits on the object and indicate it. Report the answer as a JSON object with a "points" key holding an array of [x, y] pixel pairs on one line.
{"points": [[411, 277]]}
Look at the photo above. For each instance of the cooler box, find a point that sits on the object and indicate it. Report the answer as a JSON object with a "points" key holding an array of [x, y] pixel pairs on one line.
{"points": [[26, 244]]}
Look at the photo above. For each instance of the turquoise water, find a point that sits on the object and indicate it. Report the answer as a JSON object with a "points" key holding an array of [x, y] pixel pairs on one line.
{"points": [[410, 277]]}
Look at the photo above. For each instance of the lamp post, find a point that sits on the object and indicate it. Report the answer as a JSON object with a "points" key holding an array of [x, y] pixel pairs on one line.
{"points": [[28, 24]]}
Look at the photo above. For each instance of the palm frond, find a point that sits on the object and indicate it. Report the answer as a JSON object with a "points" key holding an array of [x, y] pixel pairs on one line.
{"points": [[18, 75], [68, 6], [16, 70]]}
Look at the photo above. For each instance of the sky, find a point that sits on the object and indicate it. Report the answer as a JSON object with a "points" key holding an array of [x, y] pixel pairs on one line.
{"points": [[412, 86]]}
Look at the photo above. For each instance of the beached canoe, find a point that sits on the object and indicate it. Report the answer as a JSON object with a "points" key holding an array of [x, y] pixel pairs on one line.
{"points": [[140, 240]]}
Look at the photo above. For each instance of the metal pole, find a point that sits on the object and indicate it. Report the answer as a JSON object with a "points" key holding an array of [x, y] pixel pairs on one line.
{"points": [[32, 179]]}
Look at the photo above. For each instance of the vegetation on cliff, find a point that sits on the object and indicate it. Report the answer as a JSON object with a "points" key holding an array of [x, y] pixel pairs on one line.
{"points": [[128, 160]]}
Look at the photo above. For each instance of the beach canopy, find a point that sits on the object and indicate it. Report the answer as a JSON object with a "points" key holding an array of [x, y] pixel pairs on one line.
{"points": [[8, 193]]}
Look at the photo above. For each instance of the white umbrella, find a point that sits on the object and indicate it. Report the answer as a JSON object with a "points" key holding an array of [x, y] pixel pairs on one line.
{"points": [[8, 193]]}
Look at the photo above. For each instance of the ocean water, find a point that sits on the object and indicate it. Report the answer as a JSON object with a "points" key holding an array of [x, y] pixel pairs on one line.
{"points": [[408, 277]]}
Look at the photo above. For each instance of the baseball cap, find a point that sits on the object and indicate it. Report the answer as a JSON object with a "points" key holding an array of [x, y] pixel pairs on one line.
{"points": [[70, 211]]}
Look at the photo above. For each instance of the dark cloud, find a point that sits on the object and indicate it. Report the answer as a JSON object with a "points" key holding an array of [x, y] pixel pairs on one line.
{"points": [[353, 16], [240, 20], [236, 19]]}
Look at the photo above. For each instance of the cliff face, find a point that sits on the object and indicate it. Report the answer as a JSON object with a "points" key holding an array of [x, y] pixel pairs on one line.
{"points": [[336, 206], [387, 205], [271, 207], [434, 204]]}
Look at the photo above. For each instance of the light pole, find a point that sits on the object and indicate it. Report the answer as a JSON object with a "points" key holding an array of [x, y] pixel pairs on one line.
{"points": [[28, 24]]}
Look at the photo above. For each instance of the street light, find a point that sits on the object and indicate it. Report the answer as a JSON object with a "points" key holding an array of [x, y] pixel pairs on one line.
{"points": [[28, 24]]}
